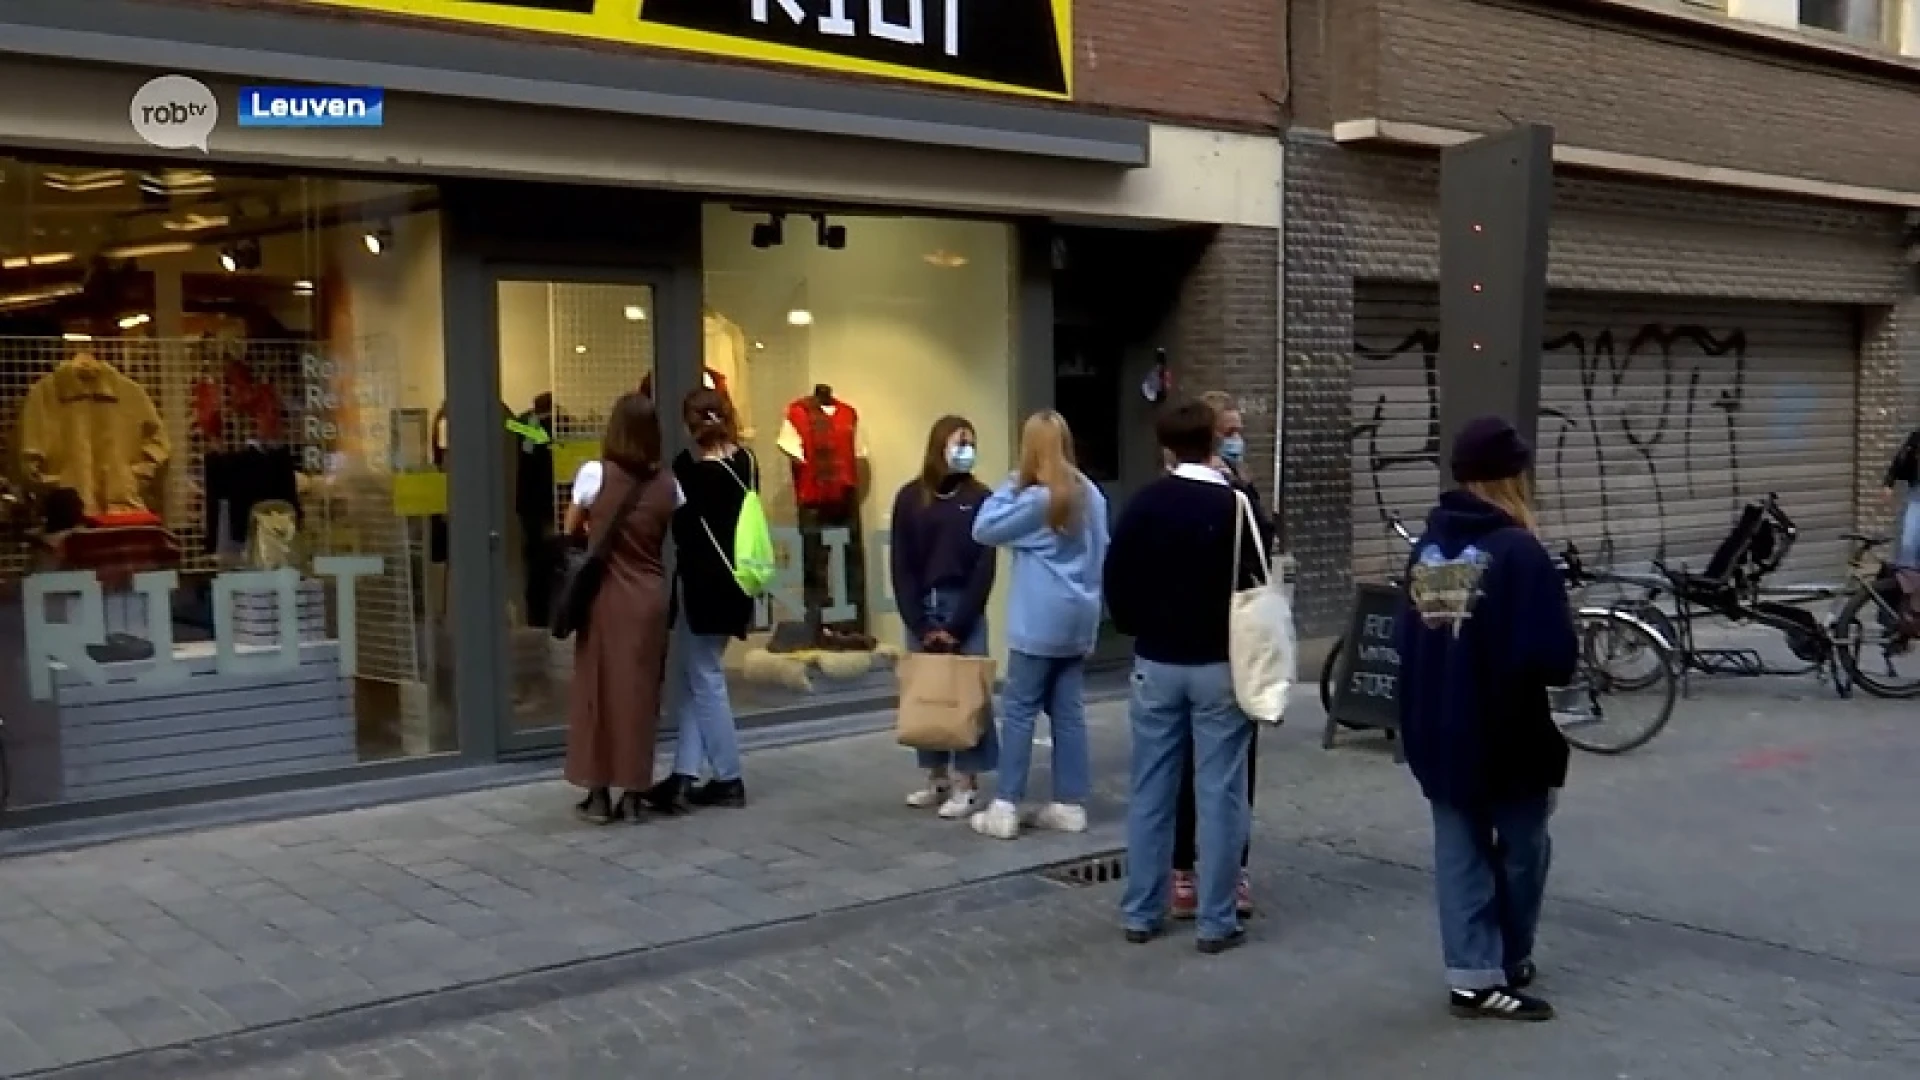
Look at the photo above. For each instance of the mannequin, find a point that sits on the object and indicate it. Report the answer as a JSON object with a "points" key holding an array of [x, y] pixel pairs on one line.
{"points": [[87, 427], [821, 437]]}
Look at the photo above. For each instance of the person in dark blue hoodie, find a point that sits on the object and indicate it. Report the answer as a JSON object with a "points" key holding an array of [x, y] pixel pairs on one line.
{"points": [[1485, 631]]}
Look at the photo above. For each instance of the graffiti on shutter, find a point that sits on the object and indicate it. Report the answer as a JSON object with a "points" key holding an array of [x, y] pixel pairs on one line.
{"points": [[1656, 422]]}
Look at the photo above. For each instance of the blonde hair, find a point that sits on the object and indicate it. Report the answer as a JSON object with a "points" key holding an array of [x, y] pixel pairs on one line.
{"points": [[1046, 459], [1513, 495]]}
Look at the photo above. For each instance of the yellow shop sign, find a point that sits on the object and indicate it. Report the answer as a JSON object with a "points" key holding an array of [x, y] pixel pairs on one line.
{"points": [[1020, 46]]}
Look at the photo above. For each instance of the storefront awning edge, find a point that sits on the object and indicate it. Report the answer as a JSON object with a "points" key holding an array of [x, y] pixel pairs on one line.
{"points": [[168, 39]]}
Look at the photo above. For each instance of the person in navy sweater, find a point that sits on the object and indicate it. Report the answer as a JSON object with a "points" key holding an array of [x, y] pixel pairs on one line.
{"points": [[1485, 631], [941, 580], [1169, 577]]}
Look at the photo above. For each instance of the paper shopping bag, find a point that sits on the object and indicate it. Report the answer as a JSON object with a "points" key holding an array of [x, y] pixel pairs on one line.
{"points": [[946, 701]]}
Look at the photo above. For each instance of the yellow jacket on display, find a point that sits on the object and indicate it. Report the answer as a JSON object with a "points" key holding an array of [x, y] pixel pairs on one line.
{"points": [[92, 429]]}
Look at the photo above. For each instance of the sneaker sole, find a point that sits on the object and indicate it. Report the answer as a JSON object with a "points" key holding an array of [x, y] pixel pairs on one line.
{"points": [[1216, 946], [1469, 1012]]}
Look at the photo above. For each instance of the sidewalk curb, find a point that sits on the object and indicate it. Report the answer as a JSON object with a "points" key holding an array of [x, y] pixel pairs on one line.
{"points": [[195, 1058]]}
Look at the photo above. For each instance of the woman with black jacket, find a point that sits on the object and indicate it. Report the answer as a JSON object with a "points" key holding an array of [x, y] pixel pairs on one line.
{"points": [[711, 607], [1486, 631]]}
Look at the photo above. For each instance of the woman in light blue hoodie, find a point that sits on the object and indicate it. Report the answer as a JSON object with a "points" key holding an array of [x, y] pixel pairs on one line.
{"points": [[1054, 520]]}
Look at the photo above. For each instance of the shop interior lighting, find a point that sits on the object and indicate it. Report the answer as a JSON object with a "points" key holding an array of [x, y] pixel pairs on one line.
{"points": [[195, 222], [148, 251], [80, 183], [128, 322], [303, 287], [829, 236], [799, 317], [45, 258], [75, 337], [767, 233], [945, 260], [240, 255], [173, 182], [580, 350], [379, 239], [37, 297], [636, 313]]}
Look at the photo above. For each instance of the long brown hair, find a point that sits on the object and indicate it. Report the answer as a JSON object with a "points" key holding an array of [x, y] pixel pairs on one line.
{"points": [[1513, 496], [1046, 459], [933, 466], [632, 440]]}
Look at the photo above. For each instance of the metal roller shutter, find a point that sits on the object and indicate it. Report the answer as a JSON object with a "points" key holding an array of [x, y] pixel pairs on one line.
{"points": [[1658, 420]]}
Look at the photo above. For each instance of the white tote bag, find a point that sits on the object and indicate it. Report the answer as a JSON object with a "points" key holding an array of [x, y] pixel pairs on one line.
{"points": [[1260, 638]]}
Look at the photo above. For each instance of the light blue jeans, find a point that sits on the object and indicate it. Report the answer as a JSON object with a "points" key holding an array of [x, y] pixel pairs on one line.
{"points": [[1172, 707], [1907, 554], [985, 756], [1057, 684], [1490, 877], [697, 688]]}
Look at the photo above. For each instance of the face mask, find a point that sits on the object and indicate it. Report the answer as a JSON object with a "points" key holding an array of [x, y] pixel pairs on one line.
{"points": [[1232, 449], [960, 458]]}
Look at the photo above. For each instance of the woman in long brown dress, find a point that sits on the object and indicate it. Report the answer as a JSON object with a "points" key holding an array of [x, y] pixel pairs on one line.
{"points": [[620, 655]]}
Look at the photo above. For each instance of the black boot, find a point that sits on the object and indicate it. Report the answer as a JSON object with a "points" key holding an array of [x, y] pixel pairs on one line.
{"points": [[669, 796], [596, 808], [731, 794]]}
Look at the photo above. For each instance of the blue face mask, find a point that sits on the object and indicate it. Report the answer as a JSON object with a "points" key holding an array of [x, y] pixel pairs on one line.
{"points": [[1232, 449], [960, 458]]}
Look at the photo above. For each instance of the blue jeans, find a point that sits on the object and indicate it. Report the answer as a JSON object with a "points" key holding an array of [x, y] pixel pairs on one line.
{"points": [[1490, 876], [1057, 684], [985, 756], [697, 688], [1171, 707], [1907, 551]]}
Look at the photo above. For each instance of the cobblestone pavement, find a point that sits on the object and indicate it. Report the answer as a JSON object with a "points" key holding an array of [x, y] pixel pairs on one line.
{"points": [[1733, 900], [128, 947]]}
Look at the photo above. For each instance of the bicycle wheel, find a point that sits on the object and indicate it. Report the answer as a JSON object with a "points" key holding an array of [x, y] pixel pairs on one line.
{"points": [[1876, 652], [1624, 691]]}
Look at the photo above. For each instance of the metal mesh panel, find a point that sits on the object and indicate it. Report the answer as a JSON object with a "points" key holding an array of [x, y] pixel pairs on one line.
{"points": [[205, 404], [597, 350]]}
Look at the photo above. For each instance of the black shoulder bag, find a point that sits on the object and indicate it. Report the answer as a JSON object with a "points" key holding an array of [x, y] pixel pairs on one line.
{"points": [[586, 571]]}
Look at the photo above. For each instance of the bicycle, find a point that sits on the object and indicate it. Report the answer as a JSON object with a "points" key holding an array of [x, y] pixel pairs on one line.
{"points": [[1609, 638], [1882, 589]]}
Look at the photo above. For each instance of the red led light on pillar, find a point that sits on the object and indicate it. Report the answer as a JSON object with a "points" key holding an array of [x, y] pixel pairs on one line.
{"points": [[1477, 227], [1477, 287]]}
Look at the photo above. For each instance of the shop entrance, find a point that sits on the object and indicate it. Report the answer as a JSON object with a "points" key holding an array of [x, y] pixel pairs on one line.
{"points": [[569, 344]]}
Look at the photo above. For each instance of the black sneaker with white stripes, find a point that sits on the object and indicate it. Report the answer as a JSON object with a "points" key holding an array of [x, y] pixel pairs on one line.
{"points": [[1498, 1003]]}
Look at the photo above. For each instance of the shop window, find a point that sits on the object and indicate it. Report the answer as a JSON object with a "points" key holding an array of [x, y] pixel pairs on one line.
{"points": [[893, 322], [1862, 20], [219, 404]]}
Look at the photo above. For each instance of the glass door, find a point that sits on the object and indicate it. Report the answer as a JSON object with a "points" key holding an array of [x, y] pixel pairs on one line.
{"points": [[568, 348]]}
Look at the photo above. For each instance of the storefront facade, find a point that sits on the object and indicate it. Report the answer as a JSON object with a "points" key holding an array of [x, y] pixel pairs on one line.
{"points": [[291, 425], [1732, 305]]}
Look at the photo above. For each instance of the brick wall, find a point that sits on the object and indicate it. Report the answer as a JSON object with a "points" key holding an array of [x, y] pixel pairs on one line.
{"points": [[1674, 92], [1373, 216], [1224, 334], [1209, 63]]}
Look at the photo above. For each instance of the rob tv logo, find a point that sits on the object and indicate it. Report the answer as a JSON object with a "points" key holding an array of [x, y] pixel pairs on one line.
{"points": [[311, 106]]}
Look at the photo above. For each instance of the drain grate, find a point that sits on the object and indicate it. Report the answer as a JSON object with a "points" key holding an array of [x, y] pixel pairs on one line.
{"points": [[1081, 873]]}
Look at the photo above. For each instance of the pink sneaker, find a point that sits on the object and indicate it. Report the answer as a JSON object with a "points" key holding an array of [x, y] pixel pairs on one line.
{"points": [[1243, 896], [1186, 898]]}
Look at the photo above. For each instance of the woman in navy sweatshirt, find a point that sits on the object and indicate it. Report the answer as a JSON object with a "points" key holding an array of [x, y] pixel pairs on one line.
{"points": [[941, 579], [1486, 630]]}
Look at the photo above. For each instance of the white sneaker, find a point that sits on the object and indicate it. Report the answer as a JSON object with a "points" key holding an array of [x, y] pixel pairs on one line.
{"points": [[1001, 820], [959, 804], [928, 797], [1061, 817]]}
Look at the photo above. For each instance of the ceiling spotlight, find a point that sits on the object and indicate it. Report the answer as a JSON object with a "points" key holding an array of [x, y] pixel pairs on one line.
{"points": [[378, 239], [831, 237], [130, 321], [799, 317], [580, 350], [240, 255], [766, 233], [636, 313]]}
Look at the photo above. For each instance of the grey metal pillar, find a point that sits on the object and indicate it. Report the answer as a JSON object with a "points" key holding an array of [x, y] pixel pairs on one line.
{"points": [[1496, 196]]}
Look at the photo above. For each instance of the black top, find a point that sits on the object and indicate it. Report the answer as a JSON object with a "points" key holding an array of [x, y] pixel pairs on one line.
{"points": [[933, 548], [1170, 575], [709, 597]]}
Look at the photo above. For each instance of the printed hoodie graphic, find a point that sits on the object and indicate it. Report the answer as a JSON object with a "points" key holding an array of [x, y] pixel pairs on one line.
{"points": [[1443, 590]]}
